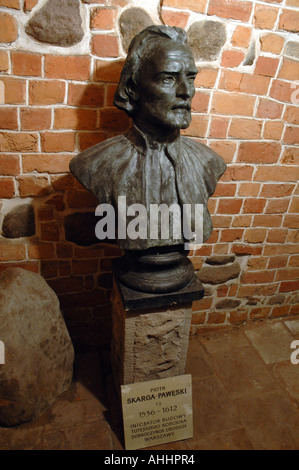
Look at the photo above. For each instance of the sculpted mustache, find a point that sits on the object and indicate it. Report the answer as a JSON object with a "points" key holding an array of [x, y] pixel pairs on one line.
{"points": [[182, 105]]}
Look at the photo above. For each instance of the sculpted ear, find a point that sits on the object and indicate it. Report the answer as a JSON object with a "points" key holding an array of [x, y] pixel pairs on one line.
{"points": [[131, 90]]}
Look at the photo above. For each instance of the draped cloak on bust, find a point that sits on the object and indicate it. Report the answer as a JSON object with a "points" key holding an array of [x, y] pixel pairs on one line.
{"points": [[182, 171]]}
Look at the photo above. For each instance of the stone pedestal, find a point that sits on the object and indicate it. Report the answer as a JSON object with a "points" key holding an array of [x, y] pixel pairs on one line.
{"points": [[149, 342]]}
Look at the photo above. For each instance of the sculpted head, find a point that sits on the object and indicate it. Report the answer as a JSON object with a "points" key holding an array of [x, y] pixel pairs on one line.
{"points": [[157, 81]]}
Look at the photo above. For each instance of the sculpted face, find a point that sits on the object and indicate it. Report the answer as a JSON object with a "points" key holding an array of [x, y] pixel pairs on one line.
{"points": [[165, 89]]}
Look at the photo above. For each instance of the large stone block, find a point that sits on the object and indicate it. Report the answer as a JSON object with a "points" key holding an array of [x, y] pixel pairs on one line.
{"points": [[39, 353], [150, 343]]}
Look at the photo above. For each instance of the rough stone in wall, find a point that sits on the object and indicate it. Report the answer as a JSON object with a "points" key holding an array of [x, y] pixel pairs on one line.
{"points": [[250, 56], [227, 304], [131, 22], [39, 354], [58, 22], [19, 222], [217, 274], [292, 49], [206, 39], [220, 259]]}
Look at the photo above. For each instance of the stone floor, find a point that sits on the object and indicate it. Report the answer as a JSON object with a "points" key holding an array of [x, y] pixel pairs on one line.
{"points": [[245, 396]]}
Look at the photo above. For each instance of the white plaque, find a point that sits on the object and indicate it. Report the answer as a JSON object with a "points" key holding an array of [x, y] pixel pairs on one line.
{"points": [[157, 411]]}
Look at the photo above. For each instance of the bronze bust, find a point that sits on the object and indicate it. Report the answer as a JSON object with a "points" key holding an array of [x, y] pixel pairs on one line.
{"points": [[153, 163]]}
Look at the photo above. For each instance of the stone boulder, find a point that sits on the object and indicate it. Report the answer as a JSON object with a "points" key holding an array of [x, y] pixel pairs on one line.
{"points": [[39, 354]]}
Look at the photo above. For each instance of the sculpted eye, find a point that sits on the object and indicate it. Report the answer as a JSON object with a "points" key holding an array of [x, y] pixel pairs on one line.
{"points": [[168, 79]]}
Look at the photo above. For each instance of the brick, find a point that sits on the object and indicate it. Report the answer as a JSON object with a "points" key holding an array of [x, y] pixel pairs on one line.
{"points": [[8, 28], [84, 266], [49, 231], [200, 102], [276, 173], [241, 36], [114, 120], [272, 43], [269, 109], [46, 92], [230, 80], [281, 91], [265, 17], [249, 189], [281, 249], [87, 139], [289, 286], [33, 186], [294, 261], [257, 277], [203, 304], [74, 118], [280, 311], [238, 173], [12, 252], [246, 249], [51, 163], [194, 5], [221, 221], [15, 90], [278, 261], [245, 128], [175, 18], [258, 152], [291, 114], [67, 67], [289, 70], [225, 190], [254, 84], [107, 71], [294, 206], [29, 265], [290, 156], [229, 206], [266, 66], [291, 221], [232, 104], [104, 45], [9, 165], [81, 200], [7, 188], [4, 61], [35, 119], [291, 135], [103, 18], [58, 141], [293, 236], [257, 263], [233, 9], [225, 148], [259, 312], [10, 4], [111, 89], [86, 95], [232, 58], [198, 126], [26, 64], [276, 190], [289, 20], [277, 206], [29, 5], [206, 78], [218, 127], [231, 235], [277, 235], [8, 118], [216, 318], [18, 142], [253, 205], [267, 220], [41, 250], [273, 130]]}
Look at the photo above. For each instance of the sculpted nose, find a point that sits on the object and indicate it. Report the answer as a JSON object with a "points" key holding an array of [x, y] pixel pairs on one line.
{"points": [[184, 89]]}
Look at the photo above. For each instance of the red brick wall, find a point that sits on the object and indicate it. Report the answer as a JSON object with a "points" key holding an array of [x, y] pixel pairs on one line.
{"points": [[58, 102]]}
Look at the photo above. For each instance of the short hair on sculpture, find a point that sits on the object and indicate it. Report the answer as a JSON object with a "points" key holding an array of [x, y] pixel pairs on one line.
{"points": [[140, 48]]}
